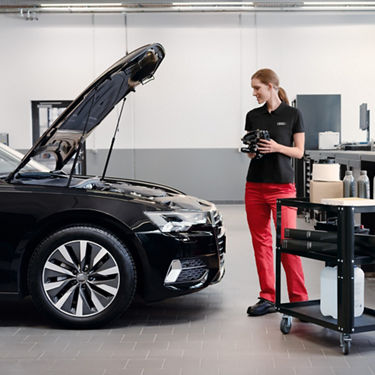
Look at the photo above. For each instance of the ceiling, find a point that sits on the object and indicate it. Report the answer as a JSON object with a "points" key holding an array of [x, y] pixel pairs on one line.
{"points": [[25, 7]]}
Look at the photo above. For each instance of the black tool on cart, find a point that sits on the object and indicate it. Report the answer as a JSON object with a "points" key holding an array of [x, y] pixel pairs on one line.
{"points": [[325, 241], [251, 139], [331, 225]]}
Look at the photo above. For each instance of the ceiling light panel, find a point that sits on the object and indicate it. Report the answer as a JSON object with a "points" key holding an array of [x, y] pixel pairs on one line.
{"points": [[150, 6]]}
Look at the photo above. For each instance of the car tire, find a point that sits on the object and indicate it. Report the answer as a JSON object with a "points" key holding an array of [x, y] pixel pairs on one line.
{"points": [[82, 277]]}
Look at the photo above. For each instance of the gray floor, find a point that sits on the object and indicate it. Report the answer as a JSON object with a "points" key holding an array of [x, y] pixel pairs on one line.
{"points": [[203, 333]]}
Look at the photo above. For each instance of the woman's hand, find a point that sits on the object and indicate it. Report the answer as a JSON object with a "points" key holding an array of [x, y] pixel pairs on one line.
{"points": [[251, 155], [296, 151], [266, 147]]}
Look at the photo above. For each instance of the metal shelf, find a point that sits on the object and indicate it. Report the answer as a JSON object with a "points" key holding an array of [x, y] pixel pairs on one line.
{"points": [[310, 311], [330, 258]]}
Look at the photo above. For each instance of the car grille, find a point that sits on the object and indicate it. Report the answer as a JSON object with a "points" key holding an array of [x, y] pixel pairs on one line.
{"points": [[216, 219], [193, 274], [186, 270], [217, 222], [192, 263], [221, 248]]}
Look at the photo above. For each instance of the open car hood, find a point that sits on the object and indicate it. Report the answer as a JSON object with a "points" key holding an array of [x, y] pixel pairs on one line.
{"points": [[78, 120]]}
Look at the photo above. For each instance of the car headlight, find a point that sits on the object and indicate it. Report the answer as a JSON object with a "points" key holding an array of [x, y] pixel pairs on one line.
{"points": [[177, 221]]}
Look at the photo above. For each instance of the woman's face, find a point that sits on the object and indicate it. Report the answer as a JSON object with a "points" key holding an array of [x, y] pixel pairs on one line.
{"points": [[261, 91]]}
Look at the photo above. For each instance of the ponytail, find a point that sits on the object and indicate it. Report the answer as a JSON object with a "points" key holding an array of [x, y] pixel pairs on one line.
{"points": [[283, 96], [267, 76]]}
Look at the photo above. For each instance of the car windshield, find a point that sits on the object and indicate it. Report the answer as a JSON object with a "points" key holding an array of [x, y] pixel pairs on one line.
{"points": [[9, 160]]}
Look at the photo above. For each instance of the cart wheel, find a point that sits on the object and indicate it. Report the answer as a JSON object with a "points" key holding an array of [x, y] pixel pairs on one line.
{"points": [[345, 343], [286, 324]]}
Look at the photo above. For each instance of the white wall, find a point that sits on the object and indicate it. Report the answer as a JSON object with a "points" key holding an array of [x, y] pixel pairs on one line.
{"points": [[202, 90], [323, 54]]}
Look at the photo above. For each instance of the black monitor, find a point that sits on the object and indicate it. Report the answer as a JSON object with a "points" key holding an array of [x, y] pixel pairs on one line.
{"points": [[364, 119]]}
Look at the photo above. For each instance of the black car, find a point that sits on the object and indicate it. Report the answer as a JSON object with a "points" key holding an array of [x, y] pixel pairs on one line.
{"points": [[82, 246]]}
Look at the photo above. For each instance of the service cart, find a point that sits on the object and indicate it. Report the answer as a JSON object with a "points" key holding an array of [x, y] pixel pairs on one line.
{"points": [[345, 257]]}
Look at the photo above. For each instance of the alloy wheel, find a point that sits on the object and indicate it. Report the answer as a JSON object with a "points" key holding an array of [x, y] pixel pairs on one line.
{"points": [[81, 278]]}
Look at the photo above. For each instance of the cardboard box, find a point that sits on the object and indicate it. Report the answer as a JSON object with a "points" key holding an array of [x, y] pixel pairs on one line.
{"points": [[326, 172], [349, 201], [325, 189], [328, 140]]}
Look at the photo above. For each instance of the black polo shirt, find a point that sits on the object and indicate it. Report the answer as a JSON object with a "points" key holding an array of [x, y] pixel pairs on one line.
{"points": [[282, 123]]}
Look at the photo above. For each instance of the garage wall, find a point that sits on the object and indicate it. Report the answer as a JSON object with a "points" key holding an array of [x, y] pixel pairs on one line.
{"points": [[195, 108]]}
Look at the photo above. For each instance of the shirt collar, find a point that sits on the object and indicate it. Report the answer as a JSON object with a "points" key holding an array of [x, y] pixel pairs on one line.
{"points": [[277, 110], [264, 107]]}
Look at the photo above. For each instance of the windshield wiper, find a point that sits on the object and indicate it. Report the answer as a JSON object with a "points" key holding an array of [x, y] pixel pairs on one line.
{"points": [[34, 175]]}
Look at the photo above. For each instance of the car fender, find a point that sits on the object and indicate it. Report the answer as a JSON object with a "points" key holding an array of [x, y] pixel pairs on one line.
{"points": [[70, 217]]}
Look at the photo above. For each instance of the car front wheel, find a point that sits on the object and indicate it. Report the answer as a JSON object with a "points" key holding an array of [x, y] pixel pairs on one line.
{"points": [[82, 277]]}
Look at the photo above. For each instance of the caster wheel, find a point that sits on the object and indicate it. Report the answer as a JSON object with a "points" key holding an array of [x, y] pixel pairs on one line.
{"points": [[345, 343], [285, 324], [346, 347]]}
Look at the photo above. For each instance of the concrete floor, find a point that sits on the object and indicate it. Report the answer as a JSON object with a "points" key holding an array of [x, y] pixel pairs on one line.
{"points": [[203, 333]]}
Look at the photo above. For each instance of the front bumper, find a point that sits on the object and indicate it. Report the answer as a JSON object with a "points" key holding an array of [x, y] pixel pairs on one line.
{"points": [[185, 273], [182, 263]]}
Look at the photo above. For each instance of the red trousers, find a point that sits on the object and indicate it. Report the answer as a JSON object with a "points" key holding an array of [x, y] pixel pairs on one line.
{"points": [[260, 200]]}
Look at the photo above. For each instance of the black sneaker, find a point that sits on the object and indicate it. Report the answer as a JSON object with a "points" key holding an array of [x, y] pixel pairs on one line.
{"points": [[262, 307]]}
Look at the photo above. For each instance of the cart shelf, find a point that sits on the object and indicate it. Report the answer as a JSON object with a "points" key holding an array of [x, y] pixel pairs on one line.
{"points": [[310, 311], [329, 258]]}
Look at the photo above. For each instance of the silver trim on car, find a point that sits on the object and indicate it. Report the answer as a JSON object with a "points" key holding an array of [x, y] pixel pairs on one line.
{"points": [[188, 271]]}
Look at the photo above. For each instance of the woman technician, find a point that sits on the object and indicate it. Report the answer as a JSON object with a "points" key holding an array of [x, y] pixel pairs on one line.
{"points": [[270, 178]]}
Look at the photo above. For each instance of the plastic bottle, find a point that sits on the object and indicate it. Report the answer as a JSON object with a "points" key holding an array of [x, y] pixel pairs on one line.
{"points": [[328, 291], [363, 185], [359, 291], [349, 184]]}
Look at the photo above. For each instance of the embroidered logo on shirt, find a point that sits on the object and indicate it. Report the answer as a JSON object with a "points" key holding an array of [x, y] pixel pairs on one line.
{"points": [[280, 123]]}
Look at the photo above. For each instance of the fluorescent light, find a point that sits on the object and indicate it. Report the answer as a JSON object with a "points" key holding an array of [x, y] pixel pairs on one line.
{"points": [[338, 3], [82, 9], [77, 5], [212, 9], [214, 3], [339, 8]]}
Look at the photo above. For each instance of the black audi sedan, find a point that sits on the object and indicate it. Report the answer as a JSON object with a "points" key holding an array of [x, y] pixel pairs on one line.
{"points": [[82, 246]]}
